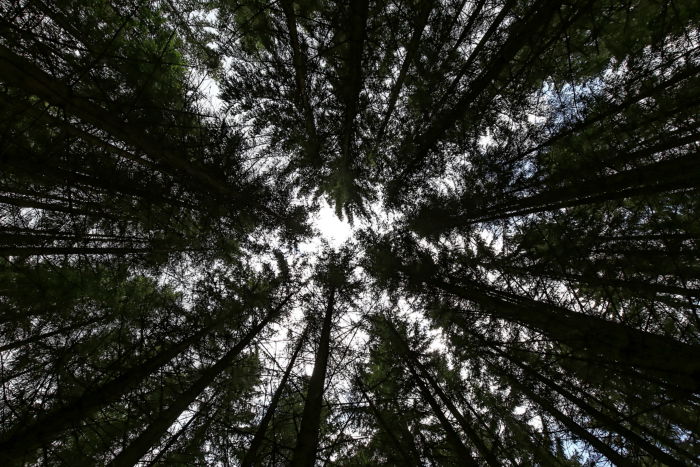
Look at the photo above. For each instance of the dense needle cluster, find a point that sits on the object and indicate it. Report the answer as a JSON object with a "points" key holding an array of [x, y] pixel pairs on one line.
{"points": [[522, 287]]}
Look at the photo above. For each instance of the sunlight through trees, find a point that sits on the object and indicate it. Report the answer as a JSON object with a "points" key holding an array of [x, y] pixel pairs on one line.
{"points": [[349, 233]]}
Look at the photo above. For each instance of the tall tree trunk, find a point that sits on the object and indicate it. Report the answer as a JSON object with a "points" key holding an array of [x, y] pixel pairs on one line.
{"points": [[537, 18], [155, 460], [565, 420], [408, 460], [658, 177], [24, 441], [303, 100], [452, 436], [690, 71], [40, 337], [465, 424], [130, 455], [641, 287], [608, 421], [411, 51], [610, 341], [353, 70], [485, 38], [252, 454], [307, 440], [19, 72]]}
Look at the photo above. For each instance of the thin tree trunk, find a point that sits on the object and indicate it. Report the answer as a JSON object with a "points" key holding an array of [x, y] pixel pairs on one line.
{"points": [[251, 455], [565, 420], [633, 285], [353, 86], [299, 62], [40, 337], [130, 455], [668, 175], [71, 250], [493, 27], [537, 18], [609, 422], [48, 426], [411, 51], [307, 440], [691, 71], [456, 413], [452, 436], [18, 71], [614, 342], [387, 429]]}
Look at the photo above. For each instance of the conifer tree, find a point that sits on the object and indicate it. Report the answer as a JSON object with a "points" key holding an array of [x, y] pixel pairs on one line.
{"points": [[519, 179]]}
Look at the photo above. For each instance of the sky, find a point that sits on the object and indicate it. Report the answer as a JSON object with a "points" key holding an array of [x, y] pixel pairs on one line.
{"points": [[331, 228]]}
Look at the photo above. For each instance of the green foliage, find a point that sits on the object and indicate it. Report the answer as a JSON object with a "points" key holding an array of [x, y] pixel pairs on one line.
{"points": [[521, 177]]}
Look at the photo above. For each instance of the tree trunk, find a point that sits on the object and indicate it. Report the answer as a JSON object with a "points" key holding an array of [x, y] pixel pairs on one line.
{"points": [[256, 443], [658, 177], [452, 436], [299, 62], [568, 422], [39, 337], [411, 50], [24, 441], [19, 72], [468, 429], [613, 342], [308, 437], [608, 421], [353, 81], [130, 455], [537, 18], [493, 27], [408, 460]]}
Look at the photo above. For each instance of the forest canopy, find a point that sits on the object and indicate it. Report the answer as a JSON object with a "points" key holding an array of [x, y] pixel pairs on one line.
{"points": [[522, 285]]}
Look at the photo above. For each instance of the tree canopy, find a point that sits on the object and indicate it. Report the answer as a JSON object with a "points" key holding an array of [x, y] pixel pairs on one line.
{"points": [[522, 285]]}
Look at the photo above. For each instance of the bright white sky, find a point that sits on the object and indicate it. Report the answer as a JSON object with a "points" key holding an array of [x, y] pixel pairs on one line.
{"points": [[332, 229]]}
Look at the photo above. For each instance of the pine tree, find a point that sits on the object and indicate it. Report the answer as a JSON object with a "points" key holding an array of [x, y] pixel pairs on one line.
{"points": [[521, 177]]}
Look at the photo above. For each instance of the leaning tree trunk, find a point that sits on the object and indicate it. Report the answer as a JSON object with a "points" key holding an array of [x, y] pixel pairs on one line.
{"points": [[302, 98], [307, 439], [564, 419], [612, 342], [607, 421], [452, 436], [256, 443], [465, 424], [48, 426], [130, 455], [407, 458]]}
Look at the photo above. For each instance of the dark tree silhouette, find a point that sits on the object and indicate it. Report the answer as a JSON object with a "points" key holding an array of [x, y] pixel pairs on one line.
{"points": [[519, 180]]}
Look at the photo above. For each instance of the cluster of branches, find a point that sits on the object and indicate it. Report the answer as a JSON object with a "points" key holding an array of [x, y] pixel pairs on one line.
{"points": [[533, 300]]}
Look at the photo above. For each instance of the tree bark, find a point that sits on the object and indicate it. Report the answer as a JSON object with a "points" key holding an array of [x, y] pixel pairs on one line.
{"points": [[40, 337], [607, 420], [252, 453], [130, 455], [408, 460], [466, 426], [613, 342], [353, 81], [452, 436], [659, 177], [19, 72], [48, 426], [565, 420], [307, 440], [299, 61], [411, 50]]}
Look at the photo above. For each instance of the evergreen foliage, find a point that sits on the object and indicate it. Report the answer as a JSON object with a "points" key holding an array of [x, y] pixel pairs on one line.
{"points": [[522, 178]]}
